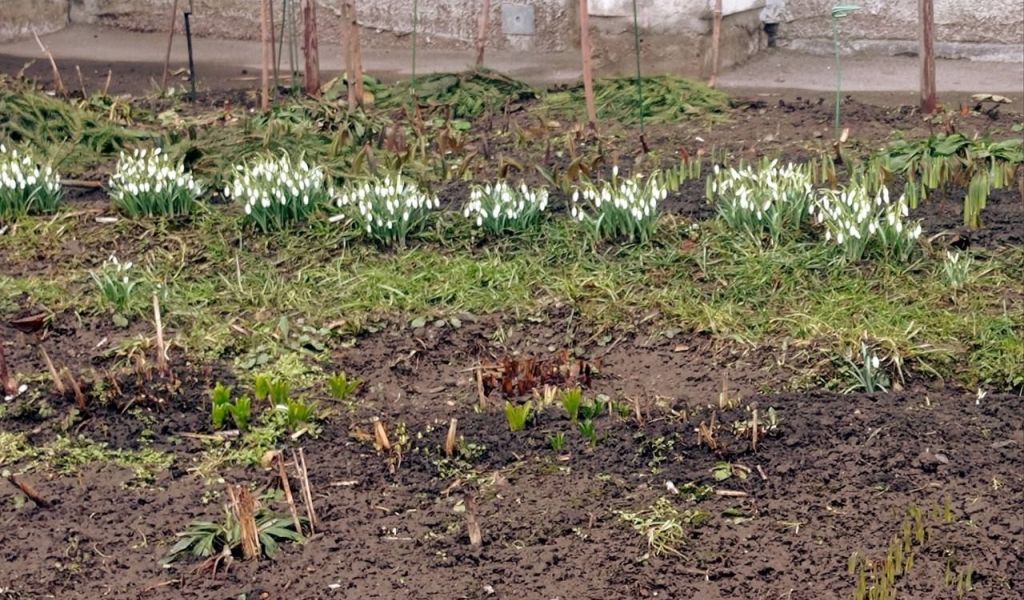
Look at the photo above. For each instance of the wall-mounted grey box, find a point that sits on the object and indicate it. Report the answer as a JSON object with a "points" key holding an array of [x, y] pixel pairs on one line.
{"points": [[517, 19]]}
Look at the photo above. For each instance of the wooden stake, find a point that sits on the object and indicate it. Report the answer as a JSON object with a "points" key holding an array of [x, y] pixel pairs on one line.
{"points": [[484, 27], [716, 43], [273, 45], [57, 80], [170, 43], [7, 381], [161, 349], [29, 491], [926, 15], [353, 54], [756, 427], [588, 73], [106, 86], [58, 385], [267, 49], [311, 47], [449, 442], [283, 474]]}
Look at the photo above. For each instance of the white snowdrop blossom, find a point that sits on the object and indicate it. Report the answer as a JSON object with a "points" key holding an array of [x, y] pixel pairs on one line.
{"points": [[770, 200], [26, 186], [621, 208], [863, 225], [116, 284], [276, 191], [499, 207], [148, 183], [387, 210]]}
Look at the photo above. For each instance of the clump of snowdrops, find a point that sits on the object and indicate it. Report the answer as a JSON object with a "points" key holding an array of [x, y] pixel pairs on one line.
{"points": [[26, 187], [502, 208], [149, 183], [770, 199], [866, 226], [388, 210], [116, 285], [278, 191], [620, 208]]}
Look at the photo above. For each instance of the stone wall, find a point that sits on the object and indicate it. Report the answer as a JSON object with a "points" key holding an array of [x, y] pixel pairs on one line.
{"points": [[19, 18]]}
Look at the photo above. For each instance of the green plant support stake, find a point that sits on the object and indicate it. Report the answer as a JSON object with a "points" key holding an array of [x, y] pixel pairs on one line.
{"points": [[838, 12]]}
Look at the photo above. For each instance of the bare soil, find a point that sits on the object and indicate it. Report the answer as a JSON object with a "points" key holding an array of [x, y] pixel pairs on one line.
{"points": [[836, 478]]}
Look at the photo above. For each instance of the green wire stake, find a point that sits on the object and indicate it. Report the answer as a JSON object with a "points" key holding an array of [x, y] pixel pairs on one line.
{"points": [[838, 12], [639, 83]]}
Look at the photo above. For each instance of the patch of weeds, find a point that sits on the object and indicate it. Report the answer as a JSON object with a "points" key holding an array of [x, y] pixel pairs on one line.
{"points": [[654, 451], [67, 454], [460, 465], [665, 526]]}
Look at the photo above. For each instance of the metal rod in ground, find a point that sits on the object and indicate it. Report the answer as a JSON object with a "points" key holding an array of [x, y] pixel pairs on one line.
{"points": [[191, 58]]}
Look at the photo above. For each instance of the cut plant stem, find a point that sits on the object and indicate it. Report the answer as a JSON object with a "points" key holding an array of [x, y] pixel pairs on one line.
{"points": [[161, 351], [8, 382], [58, 385], [80, 401], [476, 537], [283, 474], [380, 436], [243, 504], [28, 490], [449, 442], [57, 80], [170, 43], [307, 489]]}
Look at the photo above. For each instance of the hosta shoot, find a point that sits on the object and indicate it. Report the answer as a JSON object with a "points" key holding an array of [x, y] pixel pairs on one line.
{"points": [[863, 226], [770, 200], [26, 187], [277, 192], [388, 211], [148, 183], [622, 208], [502, 208]]}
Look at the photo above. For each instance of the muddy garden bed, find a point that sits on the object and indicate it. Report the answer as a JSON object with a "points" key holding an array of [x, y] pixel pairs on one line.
{"points": [[803, 511]]}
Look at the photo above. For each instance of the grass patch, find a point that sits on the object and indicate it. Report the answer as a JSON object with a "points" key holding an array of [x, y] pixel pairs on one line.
{"points": [[68, 454]]}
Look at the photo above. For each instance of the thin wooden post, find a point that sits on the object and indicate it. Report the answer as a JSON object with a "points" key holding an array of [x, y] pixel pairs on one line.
{"points": [[484, 26], [273, 44], [353, 54], [588, 73], [311, 47], [926, 14], [170, 43], [716, 44], [267, 56]]}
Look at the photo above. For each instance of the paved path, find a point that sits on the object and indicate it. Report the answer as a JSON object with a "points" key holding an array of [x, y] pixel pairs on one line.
{"points": [[138, 57]]}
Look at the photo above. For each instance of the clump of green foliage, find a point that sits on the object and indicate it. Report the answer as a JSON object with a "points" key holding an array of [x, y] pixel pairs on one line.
{"points": [[26, 185], [204, 539], [518, 415], [467, 95], [666, 99]]}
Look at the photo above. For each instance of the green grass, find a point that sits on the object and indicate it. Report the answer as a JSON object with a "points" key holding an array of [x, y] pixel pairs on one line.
{"points": [[68, 454], [797, 294]]}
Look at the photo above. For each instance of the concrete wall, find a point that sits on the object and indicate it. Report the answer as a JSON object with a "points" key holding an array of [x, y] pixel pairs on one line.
{"points": [[989, 29], [675, 34], [442, 23], [19, 18]]}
